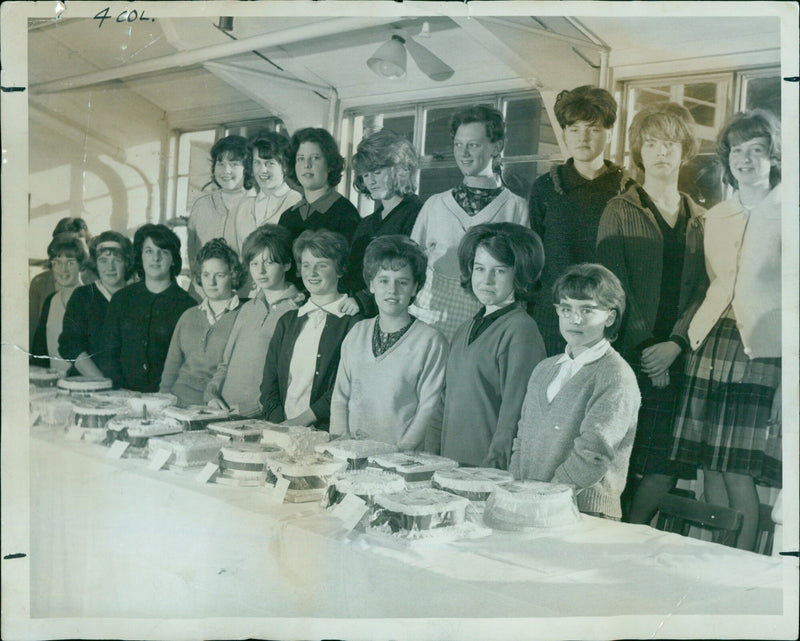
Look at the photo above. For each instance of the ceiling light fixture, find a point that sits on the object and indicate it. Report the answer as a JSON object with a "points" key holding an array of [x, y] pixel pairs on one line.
{"points": [[389, 61]]}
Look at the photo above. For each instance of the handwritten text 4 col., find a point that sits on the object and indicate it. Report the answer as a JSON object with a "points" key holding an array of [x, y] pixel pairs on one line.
{"points": [[126, 16]]}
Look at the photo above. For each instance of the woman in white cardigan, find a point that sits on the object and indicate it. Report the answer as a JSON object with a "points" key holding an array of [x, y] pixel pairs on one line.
{"points": [[729, 419], [478, 136]]}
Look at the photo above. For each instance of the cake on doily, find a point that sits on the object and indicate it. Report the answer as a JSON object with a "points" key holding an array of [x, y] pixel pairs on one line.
{"points": [[473, 483], [355, 451], [189, 449], [523, 504], [195, 417], [83, 385], [308, 474], [42, 377], [154, 402], [413, 466], [245, 430], [243, 463], [365, 484], [136, 430], [93, 414], [417, 509]]}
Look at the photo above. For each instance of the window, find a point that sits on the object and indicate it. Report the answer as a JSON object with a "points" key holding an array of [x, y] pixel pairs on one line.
{"points": [[530, 141]]}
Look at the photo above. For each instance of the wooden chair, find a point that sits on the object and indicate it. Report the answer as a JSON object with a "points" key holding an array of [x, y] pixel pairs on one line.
{"points": [[677, 514]]}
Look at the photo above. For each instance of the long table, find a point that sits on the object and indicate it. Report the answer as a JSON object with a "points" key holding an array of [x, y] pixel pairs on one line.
{"points": [[111, 538]]}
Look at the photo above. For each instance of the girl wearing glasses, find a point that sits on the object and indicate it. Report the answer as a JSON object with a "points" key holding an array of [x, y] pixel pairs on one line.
{"points": [[578, 418], [493, 354], [651, 237]]}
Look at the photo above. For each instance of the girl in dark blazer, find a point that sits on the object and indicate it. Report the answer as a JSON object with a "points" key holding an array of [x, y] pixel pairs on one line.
{"points": [[303, 356]]}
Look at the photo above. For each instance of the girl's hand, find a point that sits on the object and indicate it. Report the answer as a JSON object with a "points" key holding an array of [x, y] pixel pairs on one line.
{"points": [[658, 358], [217, 404], [349, 306], [660, 380]]}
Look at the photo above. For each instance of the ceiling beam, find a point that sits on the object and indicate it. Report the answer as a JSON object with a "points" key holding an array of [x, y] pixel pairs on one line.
{"points": [[205, 54]]}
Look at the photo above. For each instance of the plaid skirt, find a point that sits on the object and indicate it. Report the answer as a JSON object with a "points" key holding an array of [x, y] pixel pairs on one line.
{"points": [[652, 446], [722, 417], [444, 304]]}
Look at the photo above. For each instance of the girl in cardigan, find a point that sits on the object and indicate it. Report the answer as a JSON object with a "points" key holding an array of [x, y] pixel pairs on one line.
{"points": [[478, 135], [651, 237], [81, 340], [202, 332], [213, 213], [236, 384], [303, 355], [67, 254], [493, 354], [579, 415], [391, 373], [385, 167], [729, 419], [268, 161]]}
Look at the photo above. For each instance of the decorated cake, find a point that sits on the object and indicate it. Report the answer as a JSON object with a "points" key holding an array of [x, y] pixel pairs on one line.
{"points": [[93, 414], [355, 451], [189, 449], [523, 504], [41, 377], [83, 385], [413, 466], [473, 483], [295, 439], [136, 430], [308, 474], [195, 417], [417, 509], [244, 463], [364, 484], [245, 430], [154, 402]]}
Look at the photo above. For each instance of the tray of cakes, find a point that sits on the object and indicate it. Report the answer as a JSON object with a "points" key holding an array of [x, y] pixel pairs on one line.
{"points": [[248, 430], [473, 483], [195, 417], [187, 449], [91, 416], [355, 451], [309, 474], [520, 505], [365, 484], [243, 463], [412, 466], [83, 385]]}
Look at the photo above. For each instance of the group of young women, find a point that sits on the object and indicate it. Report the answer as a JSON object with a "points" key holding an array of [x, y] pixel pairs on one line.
{"points": [[415, 325]]}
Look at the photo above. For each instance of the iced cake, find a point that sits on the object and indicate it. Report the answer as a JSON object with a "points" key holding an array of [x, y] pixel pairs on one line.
{"points": [[523, 504], [473, 483], [364, 484], [413, 466], [308, 474], [83, 385], [195, 417], [154, 402], [136, 430], [244, 463], [246, 430], [356, 452], [93, 414], [189, 449], [417, 509], [41, 377]]}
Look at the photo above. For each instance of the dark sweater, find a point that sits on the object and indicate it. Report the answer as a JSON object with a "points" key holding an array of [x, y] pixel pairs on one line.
{"points": [[630, 244], [341, 216], [137, 332], [399, 221], [275, 382], [82, 329], [565, 210]]}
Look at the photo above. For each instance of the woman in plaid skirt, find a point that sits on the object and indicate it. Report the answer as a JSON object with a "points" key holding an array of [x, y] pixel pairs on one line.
{"points": [[728, 420]]}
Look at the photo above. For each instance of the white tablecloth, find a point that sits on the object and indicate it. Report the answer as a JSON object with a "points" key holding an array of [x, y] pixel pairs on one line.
{"points": [[111, 538]]}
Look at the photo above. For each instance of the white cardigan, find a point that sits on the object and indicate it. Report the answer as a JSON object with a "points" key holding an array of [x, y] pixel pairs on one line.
{"points": [[743, 261]]}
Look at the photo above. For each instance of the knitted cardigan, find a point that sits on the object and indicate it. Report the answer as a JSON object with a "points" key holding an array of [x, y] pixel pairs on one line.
{"points": [[237, 380], [585, 435], [82, 328], [395, 397], [194, 354], [630, 244]]}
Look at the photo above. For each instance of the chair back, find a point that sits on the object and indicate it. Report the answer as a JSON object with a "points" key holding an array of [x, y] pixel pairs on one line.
{"points": [[677, 514]]}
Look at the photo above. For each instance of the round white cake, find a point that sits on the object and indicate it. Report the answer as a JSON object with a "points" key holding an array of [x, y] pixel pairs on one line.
{"points": [[421, 508], [309, 474], [245, 461], [522, 504], [473, 483], [41, 377], [95, 413], [244, 430], [365, 484], [137, 430], [84, 385]]}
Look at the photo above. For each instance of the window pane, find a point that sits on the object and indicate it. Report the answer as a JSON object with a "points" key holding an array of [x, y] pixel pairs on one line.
{"points": [[702, 114], [764, 93], [706, 91], [523, 122], [645, 97], [436, 179], [438, 142], [402, 125]]}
